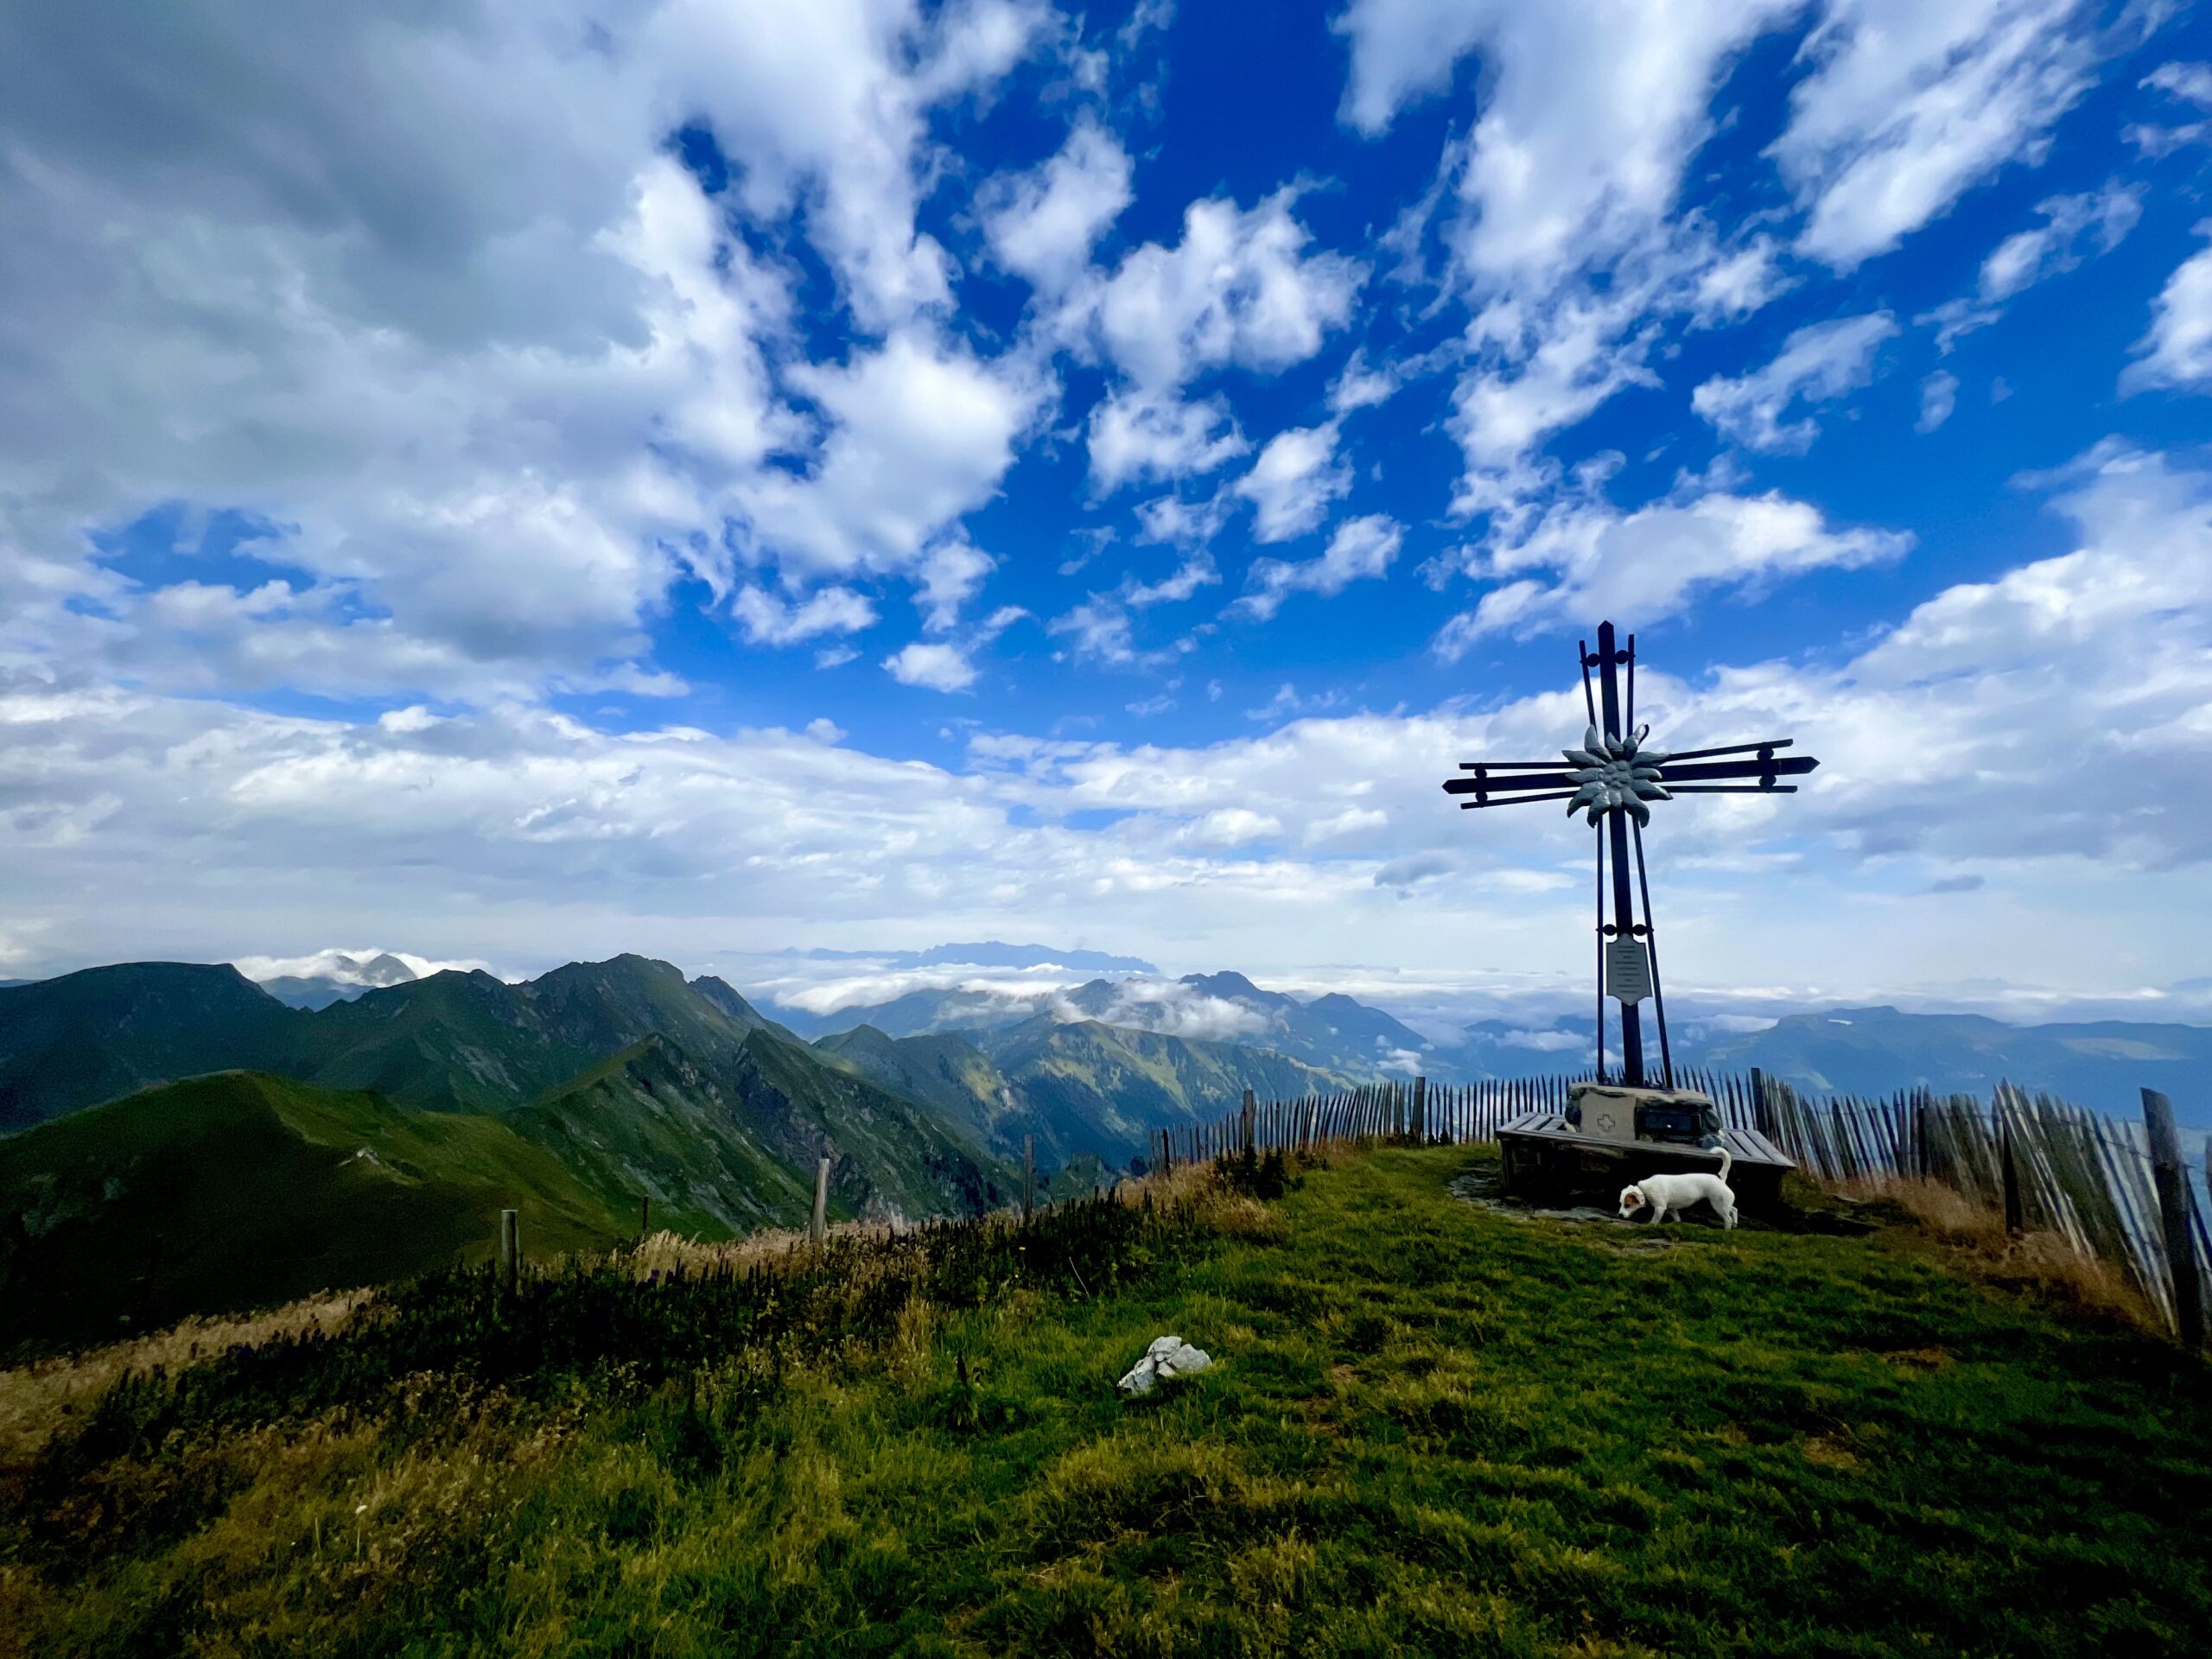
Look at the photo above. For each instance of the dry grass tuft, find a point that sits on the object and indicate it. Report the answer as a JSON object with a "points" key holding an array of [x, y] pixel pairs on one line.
{"points": [[2046, 1264], [35, 1399]]}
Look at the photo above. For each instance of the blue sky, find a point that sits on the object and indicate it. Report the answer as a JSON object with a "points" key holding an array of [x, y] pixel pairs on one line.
{"points": [[520, 481]]}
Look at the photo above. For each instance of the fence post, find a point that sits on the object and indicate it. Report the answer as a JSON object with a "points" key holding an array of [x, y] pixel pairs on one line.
{"points": [[1029, 1175], [1762, 1119], [1420, 1108], [817, 1225], [2012, 1222], [2172, 1185], [1249, 1145], [510, 1249]]}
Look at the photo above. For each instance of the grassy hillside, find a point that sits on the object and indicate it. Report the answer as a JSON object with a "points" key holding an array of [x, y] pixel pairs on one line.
{"points": [[944, 1070], [652, 1122], [239, 1190], [892, 1158], [1089, 1087], [1431, 1429], [95, 1035]]}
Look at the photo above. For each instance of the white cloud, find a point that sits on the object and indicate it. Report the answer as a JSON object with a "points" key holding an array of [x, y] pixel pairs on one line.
{"points": [[950, 574], [1296, 477], [1135, 435], [1542, 369], [1939, 396], [2177, 352], [1240, 289], [496, 370], [2045, 728], [772, 621], [350, 965], [1361, 386], [1184, 524], [1817, 363], [1043, 224], [2030, 256], [935, 664], [949, 664], [1736, 284], [1229, 826], [922, 432], [1909, 105], [1360, 548], [824, 104], [1591, 110], [1352, 821], [1586, 557], [2190, 83]]}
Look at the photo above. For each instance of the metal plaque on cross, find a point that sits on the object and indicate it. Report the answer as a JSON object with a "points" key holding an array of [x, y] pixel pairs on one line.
{"points": [[1628, 970]]}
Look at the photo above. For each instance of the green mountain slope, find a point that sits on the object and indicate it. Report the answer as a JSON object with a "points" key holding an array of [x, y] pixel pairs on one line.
{"points": [[469, 1042], [890, 1156], [92, 1036], [653, 1123], [1079, 1087], [240, 1189], [944, 1070]]}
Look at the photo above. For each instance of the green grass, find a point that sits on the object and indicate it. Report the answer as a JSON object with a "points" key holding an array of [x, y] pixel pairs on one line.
{"points": [[1432, 1429], [238, 1189]]}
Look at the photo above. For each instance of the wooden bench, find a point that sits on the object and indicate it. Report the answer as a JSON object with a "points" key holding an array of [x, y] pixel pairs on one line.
{"points": [[1547, 1157]]}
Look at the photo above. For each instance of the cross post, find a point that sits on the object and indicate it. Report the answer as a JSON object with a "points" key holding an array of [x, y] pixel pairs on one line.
{"points": [[1615, 776]]}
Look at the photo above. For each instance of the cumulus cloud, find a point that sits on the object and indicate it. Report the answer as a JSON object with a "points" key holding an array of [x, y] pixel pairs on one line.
{"points": [[498, 374], [922, 432], [1044, 224], [2102, 216], [1817, 363], [1588, 557], [1909, 105], [1294, 481], [769, 620], [1240, 288], [2177, 352], [949, 664], [2051, 716], [1360, 548], [1939, 396], [1593, 109], [1135, 437]]}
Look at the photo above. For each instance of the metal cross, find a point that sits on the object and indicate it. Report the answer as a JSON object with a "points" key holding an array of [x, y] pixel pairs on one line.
{"points": [[1612, 778]]}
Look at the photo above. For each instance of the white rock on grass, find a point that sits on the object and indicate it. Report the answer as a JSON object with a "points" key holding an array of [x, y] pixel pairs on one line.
{"points": [[1168, 1357]]}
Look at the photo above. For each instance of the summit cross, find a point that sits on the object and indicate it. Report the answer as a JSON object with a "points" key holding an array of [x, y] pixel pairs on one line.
{"points": [[1612, 777]]}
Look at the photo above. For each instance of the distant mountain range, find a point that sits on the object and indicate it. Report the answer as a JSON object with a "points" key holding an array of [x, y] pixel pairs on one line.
{"points": [[256, 1148], [989, 953], [1334, 1032], [1075, 1086], [166, 1101], [2102, 1064]]}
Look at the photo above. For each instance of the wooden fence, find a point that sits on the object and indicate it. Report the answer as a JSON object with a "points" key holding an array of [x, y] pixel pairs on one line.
{"points": [[2045, 1163]]}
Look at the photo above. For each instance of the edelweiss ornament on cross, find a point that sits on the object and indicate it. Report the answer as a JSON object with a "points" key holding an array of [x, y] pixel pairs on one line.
{"points": [[1612, 779]]}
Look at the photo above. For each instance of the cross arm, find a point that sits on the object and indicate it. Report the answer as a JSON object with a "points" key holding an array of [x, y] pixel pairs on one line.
{"points": [[1506, 780]]}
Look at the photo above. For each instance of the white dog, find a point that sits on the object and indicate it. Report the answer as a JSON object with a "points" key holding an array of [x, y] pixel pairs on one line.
{"points": [[1677, 1192]]}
